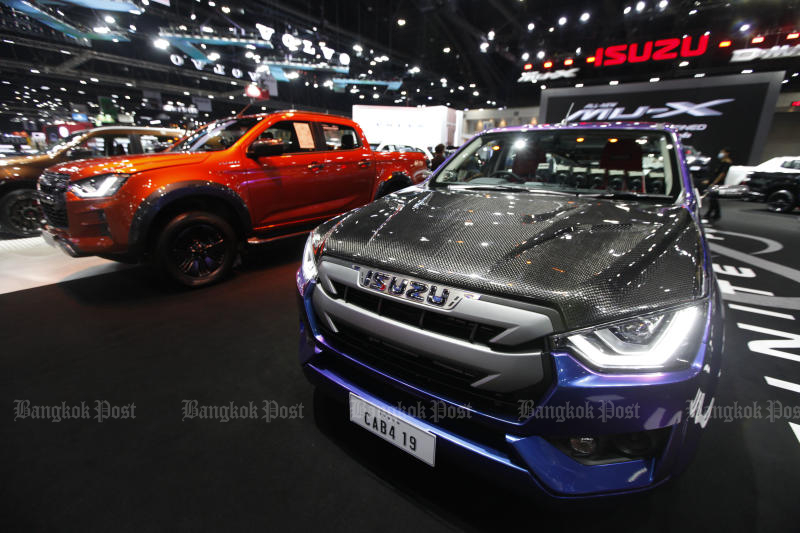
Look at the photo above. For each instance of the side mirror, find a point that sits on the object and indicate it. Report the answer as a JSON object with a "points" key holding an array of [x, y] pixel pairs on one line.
{"points": [[266, 148]]}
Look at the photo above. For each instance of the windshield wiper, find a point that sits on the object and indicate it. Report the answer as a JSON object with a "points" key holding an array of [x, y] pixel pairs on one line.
{"points": [[509, 188], [486, 187], [625, 195]]}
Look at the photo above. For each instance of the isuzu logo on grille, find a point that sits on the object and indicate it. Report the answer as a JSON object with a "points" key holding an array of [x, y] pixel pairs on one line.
{"points": [[411, 289]]}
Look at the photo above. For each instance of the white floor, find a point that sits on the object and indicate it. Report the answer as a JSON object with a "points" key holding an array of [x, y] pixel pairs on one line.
{"points": [[29, 263]]}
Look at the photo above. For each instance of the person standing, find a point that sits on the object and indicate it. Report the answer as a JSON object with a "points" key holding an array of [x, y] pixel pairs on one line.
{"points": [[438, 156], [721, 171]]}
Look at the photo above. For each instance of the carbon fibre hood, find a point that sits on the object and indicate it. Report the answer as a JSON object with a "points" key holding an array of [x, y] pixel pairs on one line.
{"points": [[592, 260]]}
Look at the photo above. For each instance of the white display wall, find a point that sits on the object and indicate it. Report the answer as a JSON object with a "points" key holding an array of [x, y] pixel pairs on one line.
{"points": [[417, 126]]}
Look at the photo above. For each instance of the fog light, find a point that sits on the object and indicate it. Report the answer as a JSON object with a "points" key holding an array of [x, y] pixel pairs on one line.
{"points": [[583, 445]]}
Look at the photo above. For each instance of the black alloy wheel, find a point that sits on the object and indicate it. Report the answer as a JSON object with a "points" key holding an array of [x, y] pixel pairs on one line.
{"points": [[20, 213], [781, 201], [197, 249]]}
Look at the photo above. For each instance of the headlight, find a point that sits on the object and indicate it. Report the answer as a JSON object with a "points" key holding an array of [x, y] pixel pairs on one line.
{"points": [[660, 341], [98, 186], [310, 253]]}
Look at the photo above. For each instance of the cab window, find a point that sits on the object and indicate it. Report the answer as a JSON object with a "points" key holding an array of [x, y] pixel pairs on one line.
{"points": [[155, 143], [101, 146], [339, 137], [297, 137]]}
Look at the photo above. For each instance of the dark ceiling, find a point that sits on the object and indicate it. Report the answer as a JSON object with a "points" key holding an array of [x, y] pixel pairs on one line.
{"points": [[467, 53]]}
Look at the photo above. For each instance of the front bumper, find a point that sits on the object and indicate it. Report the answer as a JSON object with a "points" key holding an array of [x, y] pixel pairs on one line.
{"points": [[93, 227], [578, 402]]}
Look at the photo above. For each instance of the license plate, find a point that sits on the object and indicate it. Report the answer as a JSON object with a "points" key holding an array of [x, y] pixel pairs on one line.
{"points": [[408, 437]]}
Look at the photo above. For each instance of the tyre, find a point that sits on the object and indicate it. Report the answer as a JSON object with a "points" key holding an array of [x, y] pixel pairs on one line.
{"points": [[20, 213], [196, 248], [781, 201]]}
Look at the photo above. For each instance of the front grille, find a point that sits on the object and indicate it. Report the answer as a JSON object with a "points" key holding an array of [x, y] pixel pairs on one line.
{"points": [[52, 189], [424, 319], [444, 380]]}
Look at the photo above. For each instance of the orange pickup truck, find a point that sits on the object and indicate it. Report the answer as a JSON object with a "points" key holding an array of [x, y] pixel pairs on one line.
{"points": [[191, 209]]}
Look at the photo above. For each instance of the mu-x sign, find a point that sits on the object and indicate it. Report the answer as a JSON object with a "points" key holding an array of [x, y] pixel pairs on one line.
{"points": [[610, 111], [659, 50]]}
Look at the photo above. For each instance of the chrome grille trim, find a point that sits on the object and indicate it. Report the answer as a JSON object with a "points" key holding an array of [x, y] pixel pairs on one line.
{"points": [[500, 371]]}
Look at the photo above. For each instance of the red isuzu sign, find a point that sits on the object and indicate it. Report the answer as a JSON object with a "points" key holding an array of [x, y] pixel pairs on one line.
{"points": [[660, 50]]}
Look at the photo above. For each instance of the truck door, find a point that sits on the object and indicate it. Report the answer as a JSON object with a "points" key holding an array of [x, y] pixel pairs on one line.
{"points": [[283, 189], [349, 167]]}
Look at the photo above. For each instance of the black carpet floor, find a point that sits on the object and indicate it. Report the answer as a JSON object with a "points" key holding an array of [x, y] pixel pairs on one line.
{"points": [[128, 338]]}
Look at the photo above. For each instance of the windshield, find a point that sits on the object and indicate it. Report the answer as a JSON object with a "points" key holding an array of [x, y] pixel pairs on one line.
{"points": [[605, 162], [216, 136]]}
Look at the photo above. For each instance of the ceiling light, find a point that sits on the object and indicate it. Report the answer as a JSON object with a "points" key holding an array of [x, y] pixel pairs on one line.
{"points": [[101, 29], [109, 19], [376, 95], [663, 4], [225, 9], [747, 71], [653, 80], [213, 56], [562, 21], [484, 47], [744, 27], [526, 56], [446, 49], [640, 6], [700, 75], [683, 64], [578, 85], [627, 10], [475, 93], [540, 54], [585, 17], [531, 26], [490, 35], [401, 22], [613, 82], [693, 12]]}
